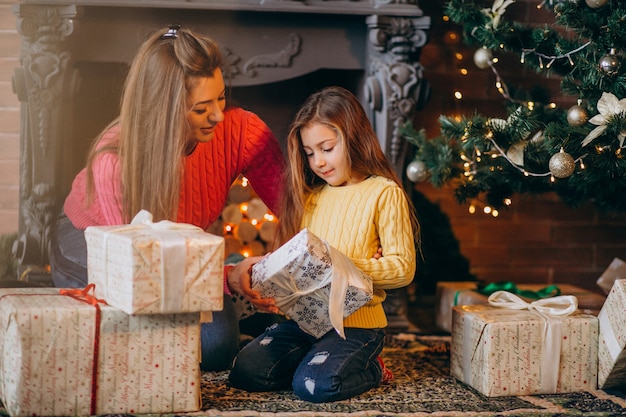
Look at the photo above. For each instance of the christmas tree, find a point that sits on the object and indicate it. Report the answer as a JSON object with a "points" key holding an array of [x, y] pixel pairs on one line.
{"points": [[576, 152]]}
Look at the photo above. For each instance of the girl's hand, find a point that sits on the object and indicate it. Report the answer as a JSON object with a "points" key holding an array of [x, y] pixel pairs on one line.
{"points": [[239, 281], [378, 254]]}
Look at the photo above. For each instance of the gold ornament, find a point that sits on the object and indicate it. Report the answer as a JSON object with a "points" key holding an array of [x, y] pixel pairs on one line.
{"points": [[577, 115], [562, 164], [609, 64], [595, 4]]}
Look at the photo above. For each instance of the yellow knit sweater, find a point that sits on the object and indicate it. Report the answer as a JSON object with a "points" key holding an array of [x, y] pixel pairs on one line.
{"points": [[357, 220]]}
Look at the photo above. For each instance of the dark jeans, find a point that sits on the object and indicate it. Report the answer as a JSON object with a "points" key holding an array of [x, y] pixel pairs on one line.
{"points": [[68, 266], [318, 370]]}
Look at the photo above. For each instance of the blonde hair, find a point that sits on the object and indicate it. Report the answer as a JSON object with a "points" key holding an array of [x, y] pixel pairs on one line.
{"points": [[339, 110], [153, 123]]}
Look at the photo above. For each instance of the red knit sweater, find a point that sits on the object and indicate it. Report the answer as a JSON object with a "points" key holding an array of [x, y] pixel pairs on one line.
{"points": [[243, 144]]}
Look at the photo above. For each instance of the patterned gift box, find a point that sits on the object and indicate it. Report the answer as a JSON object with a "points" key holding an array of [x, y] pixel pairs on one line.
{"points": [[163, 267], [49, 343], [459, 293], [515, 351], [612, 345], [314, 284]]}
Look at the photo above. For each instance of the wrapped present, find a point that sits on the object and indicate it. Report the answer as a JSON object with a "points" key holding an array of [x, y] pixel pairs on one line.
{"points": [[458, 293], [68, 355], [313, 283], [511, 347], [150, 268], [612, 339], [615, 271]]}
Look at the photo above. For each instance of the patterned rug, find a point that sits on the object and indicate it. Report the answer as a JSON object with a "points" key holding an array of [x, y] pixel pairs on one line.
{"points": [[421, 387]]}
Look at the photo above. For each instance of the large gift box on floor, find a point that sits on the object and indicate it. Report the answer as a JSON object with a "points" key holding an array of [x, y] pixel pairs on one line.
{"points": [[458, 293], [163, 267], [504, 351], [61, 356], [313, 283], [612, 345]]}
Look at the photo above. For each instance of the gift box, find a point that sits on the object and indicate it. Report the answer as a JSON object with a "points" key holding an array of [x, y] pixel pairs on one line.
{"points": [[615, 271], [508, 351], [66, 356], [458, 293], [313, 283], [163, 267], [612, 339]]}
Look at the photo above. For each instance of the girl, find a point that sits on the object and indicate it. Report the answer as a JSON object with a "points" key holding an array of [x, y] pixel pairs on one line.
{"points": [[341, 187]]}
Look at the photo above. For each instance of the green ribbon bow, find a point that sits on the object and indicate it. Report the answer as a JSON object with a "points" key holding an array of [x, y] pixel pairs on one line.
{"points": [[488, 289]]}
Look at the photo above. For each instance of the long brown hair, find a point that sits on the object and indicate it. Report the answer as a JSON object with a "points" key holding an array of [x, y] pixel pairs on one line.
{"points": [[339, 110], [153, 120]]}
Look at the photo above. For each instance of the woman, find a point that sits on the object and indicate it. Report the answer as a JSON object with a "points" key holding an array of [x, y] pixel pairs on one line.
{"points": [[174, 150]]}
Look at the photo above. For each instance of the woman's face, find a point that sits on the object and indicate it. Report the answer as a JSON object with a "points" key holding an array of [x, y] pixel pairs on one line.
{"points": [[207, 100]]}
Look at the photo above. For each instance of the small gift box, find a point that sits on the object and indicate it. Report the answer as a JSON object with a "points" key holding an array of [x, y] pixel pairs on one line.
{"points": [[615, 271], [459, 293], [69, 355], [612, 345], [511, 347], [313, 283], [156, 268]]}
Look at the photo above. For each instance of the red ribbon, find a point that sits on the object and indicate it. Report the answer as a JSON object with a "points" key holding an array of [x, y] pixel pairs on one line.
{"points": [[84, 296]]}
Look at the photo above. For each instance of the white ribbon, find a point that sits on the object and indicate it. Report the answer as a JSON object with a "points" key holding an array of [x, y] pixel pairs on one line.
{"points": [[173, 253], [550, 309]]}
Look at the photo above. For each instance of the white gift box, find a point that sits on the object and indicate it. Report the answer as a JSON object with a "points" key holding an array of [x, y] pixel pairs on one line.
{"points": [[163, 267], [314, 284], [518, 348], [612, 344], [63, 356]]}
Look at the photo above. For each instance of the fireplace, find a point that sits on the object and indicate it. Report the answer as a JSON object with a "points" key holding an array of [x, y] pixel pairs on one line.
{"points": [[75, 55]]}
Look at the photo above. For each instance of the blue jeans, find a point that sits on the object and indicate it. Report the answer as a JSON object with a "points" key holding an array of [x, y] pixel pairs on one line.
{"points": [[68, 266], [318, 370]]}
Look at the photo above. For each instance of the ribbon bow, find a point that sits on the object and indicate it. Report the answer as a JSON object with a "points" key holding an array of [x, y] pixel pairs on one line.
{"points": [[562, 305]]}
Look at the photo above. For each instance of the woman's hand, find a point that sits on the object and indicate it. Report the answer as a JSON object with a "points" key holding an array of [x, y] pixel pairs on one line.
{"points": [[239, 281]]}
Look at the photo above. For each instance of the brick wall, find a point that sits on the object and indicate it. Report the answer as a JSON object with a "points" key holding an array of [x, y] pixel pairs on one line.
{"points": [[539, 239], [9, 120]]}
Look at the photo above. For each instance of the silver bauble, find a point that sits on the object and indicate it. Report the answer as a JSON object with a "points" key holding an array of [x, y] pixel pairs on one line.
{"points": [[416, 171], [595, 4], [577, 115], [562, 164], [483, 58], [609, 64]]}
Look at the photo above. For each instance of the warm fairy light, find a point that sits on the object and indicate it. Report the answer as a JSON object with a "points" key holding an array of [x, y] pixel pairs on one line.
{"points": [[458, 56], [228, 228], [245, 252], [471, 209], [445, 18], [552, 105], [495, 213], [243, 208], [582, 164], [487, 210], [494, 60], [458, 95], [244, 182], [254, 222], [507, 201], [269, 217], [552, 179], [531, 105], [463, 71]]}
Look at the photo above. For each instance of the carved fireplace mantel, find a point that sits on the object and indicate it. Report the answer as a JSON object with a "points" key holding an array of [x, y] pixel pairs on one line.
{"points": [[264, 41]]}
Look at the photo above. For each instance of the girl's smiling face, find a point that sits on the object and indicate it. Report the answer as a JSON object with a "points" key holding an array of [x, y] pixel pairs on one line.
{"points": [[325, 153]]}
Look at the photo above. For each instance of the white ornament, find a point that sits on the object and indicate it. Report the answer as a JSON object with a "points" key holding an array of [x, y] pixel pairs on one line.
{"points": [[483, 58], [416, 171], [595, 4]]}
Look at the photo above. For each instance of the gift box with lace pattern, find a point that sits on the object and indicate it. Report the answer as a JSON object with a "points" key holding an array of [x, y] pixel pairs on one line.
{"points": [[156, 268], [313, 283], [510, 347], [63, 353], [612, 345]]}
